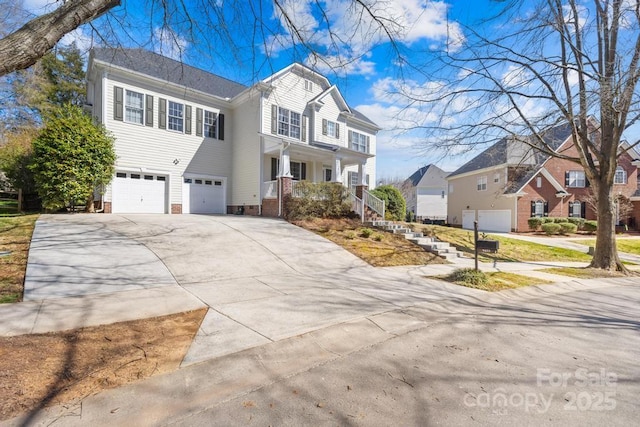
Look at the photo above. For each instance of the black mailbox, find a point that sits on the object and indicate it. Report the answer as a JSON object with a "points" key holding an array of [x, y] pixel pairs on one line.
{"points": [[485, 245]]}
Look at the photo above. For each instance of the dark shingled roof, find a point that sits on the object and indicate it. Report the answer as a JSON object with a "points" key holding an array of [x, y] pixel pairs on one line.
{"points": [[416, 177], [497, 153], [362, 117], [161, 67]]}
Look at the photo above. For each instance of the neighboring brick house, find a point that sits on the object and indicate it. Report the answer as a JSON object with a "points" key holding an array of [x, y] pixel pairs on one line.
{"points": [[188, 141], [510, 182], [425, 192]]}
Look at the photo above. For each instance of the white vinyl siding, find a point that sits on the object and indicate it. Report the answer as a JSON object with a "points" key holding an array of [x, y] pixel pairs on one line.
{"points": [[171, 153]]}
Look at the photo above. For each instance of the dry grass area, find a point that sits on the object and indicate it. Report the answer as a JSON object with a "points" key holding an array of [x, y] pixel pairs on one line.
{"points": [[585, 273], [45, 369], [15, 237], [378, 248], [493, 281]]}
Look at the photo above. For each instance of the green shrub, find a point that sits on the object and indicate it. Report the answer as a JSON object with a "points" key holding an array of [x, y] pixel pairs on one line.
{"points": [[551, 228], [559, 219], [590, 226], [366, 233], [567, 228], [410, 217], [579, 222], [350, 235], [394, 204], [534, 223], [546, 220], [378, 237], [468, 277], [317, 200]]}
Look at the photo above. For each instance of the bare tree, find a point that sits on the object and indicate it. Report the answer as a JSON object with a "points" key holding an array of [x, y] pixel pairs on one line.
{"points": [[535, 66]]}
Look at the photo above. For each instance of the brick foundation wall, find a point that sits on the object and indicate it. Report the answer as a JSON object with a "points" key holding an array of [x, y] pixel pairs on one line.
{"points": [[176, 208], [270, 207], [251, 210]]}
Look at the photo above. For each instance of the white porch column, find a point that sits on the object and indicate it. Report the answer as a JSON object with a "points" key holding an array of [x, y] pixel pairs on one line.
{"points": [[285, 163], [362, 175], [337, 170]]}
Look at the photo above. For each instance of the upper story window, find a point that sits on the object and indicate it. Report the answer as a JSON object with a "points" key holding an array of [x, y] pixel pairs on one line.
{"points": [[621, 176], [308, 85], [210, 123], [539, 182], [176, 116], [288, 123], [330, 128], [575, 179], [496, 177], [482, 183], [358, 141], [134, 107]]}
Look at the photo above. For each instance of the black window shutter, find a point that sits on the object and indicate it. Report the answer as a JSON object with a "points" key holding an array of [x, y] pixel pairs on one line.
{"points": [[586, 182], [198, 121], [566, 179], [117, 103], [583, 210], [546, 208], [337, 130], [162, 113], [274, 119], [187, 119], [368, 148], [221, 127], [324, 126], [533, 208], [303, 171], [274, 168], [149, 110]]}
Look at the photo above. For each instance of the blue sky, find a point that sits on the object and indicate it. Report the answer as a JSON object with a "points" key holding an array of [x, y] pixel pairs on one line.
{"points": [[360, 61]]}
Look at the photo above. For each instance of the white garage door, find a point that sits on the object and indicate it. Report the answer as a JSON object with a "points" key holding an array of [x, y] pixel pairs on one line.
{"points": [[499, 220], [468, 217], [138, 193], [203, 195]]}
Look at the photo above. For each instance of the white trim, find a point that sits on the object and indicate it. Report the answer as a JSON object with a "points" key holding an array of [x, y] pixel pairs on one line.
{"points": [[477, 172]]}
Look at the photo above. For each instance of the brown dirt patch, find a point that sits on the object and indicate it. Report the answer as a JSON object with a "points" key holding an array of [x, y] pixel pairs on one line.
{"points": [[380, 248], [45, 369], [15, 237]]}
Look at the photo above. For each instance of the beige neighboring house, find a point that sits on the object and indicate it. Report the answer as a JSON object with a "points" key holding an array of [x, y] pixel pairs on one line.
{"points": [[188, 141]]}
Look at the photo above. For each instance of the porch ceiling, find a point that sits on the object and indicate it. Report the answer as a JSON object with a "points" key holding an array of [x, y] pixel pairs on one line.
{"points": [[314, 151]]}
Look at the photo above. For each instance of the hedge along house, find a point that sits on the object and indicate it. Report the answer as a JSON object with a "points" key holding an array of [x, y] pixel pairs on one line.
{"points": [[510, 182], [188, 141]]}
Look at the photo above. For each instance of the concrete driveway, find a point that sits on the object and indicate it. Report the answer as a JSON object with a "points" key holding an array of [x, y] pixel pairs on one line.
{"points": [[263, 279]]}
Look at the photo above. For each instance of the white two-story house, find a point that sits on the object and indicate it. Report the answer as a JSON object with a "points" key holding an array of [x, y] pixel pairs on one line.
{"points": [[188, 141]]}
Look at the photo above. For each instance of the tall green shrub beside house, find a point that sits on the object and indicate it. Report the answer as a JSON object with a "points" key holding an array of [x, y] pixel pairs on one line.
{"points": [[395, 205], [72, 156]]}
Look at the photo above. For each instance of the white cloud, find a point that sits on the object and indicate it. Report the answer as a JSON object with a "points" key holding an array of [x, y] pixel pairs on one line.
{"points": [[168, 43], [83, 41], [515, 76], [341, 65], [346, 30]]}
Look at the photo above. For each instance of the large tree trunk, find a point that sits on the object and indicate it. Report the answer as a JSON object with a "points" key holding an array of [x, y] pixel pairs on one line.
{"points": [[24, 47], [606, 252]]}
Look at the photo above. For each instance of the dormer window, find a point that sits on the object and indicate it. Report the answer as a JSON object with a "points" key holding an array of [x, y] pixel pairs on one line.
{"points": [[308, 85]]}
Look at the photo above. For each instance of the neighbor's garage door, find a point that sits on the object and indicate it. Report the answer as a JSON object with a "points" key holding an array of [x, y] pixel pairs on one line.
{"points": [[499, 220], [138, 193], [203, 195], [468, 217]]}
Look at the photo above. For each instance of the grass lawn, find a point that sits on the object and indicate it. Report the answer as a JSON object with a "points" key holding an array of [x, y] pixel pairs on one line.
{"points": [[510, 249], [378, 248], [628, 245], [8, 207], [497, 281], [583, 273], [15, 237]]}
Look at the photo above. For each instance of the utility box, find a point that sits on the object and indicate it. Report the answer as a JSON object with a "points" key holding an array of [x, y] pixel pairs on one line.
{"points": [[485, 245]]}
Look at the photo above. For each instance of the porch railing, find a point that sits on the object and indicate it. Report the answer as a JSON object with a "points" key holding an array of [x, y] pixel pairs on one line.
{"points": [[374, 203], [356, 204], [270, 189]]}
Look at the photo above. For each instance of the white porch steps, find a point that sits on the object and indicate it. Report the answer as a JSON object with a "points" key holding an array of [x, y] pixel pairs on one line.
{"points": [[430, 244]]}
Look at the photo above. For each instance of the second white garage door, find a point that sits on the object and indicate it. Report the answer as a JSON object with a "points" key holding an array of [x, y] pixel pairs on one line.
{"points": [[203, 195], [498, 220]]}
